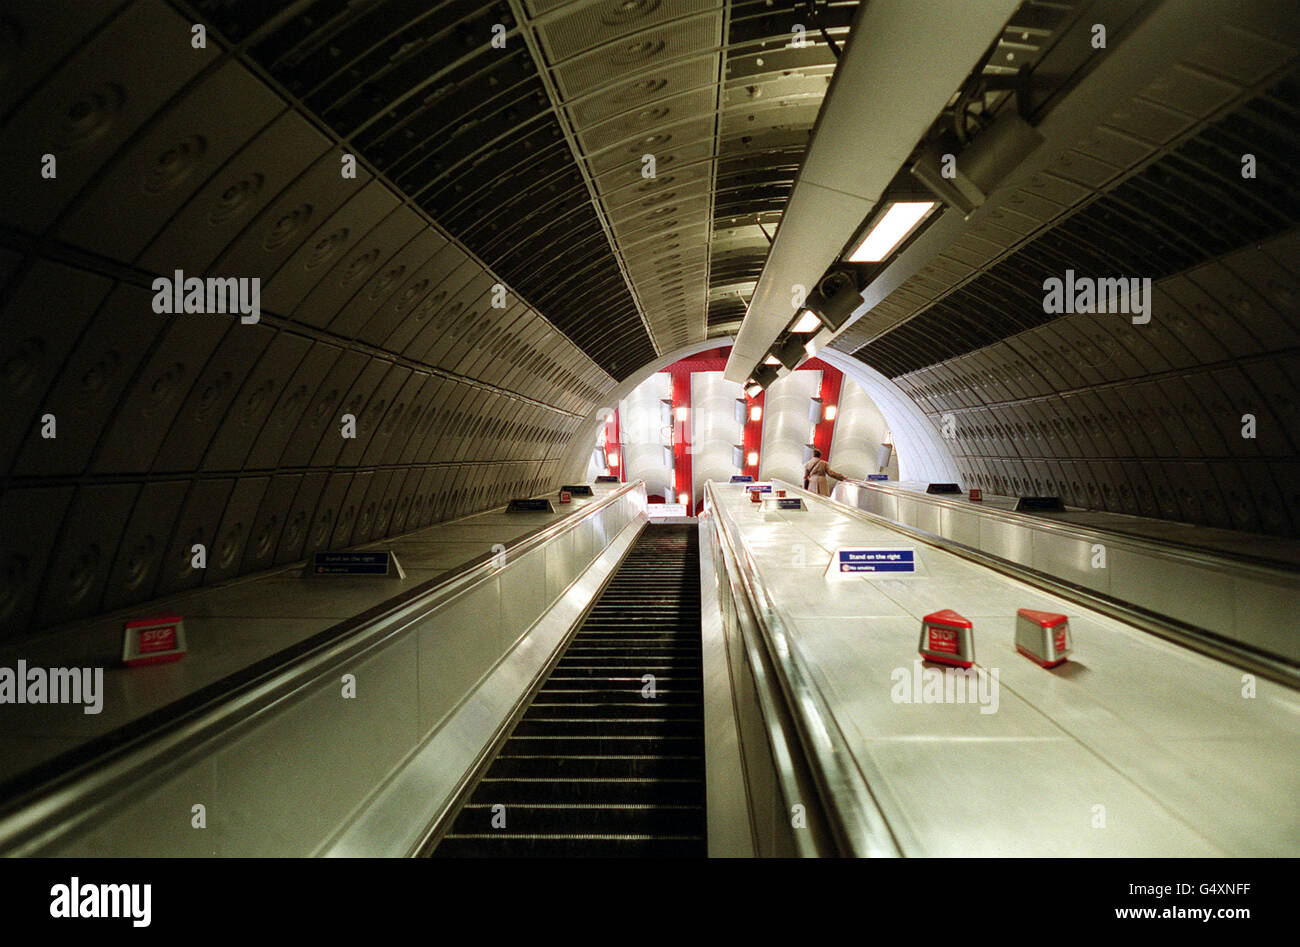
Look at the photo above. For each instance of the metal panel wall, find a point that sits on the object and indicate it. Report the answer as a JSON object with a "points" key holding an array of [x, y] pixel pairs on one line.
{"points": [[183, 428]]}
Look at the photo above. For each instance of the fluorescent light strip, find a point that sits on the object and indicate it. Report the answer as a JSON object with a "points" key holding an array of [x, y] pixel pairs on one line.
{"points": [[889, 230], [808, 322]]}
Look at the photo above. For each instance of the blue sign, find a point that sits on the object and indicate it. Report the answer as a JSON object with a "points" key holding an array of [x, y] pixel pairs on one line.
{"points": [[742, 478], [877, 560], [789, 503], [530, 505], [877, 476], [350, 563], [760, 488]]}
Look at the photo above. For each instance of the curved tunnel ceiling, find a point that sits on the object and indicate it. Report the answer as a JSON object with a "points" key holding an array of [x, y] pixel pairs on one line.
{"points": [[496, 267], [531, 151], [1176, 213], [1143, 419]]}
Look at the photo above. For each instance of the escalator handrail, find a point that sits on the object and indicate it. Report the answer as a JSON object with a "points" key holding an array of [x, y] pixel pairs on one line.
{"points": [[777, 723], [854, 816], [86, 778], [1200, 556]]}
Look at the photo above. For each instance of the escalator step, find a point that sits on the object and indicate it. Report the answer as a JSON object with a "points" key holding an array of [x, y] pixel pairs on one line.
{"points": [[582, 818], [687, 714], [593, 768], [569, 745], [591, 726], [508, 790], [585, 846], [599, 766]]}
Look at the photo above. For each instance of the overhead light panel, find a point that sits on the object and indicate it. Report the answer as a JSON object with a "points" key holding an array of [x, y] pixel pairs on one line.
{"points": [[808, 322], [683, 412], [829, 412], [771, 360], [753, 458], [890, 229], [756, 412]]}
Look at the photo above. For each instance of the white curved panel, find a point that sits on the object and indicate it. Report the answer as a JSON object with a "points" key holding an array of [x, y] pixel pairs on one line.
{"points": [[786, 427], [922, 454], [860, 429], [714, 430]]}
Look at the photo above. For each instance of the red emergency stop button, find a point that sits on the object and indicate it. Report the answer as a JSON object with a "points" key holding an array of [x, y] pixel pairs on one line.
{"points": [[947, 638], [153, 640], [1043, 637]]}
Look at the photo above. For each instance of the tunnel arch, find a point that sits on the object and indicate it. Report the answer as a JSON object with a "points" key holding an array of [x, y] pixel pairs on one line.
{"points": [[922, 453]]}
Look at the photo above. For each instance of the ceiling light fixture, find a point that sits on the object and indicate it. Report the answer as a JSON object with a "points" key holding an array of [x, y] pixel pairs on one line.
{"points": [[808, 322], [993, 155], [890, 229]]}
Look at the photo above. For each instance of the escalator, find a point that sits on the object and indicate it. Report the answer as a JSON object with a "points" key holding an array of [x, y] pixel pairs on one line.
{"points": [[600, 764]]}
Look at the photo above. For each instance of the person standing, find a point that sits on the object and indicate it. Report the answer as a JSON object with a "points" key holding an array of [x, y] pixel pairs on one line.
{"points": [[817, 475]]}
